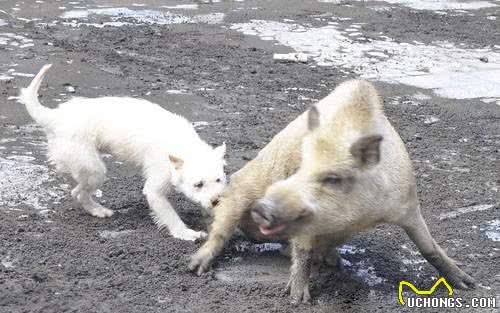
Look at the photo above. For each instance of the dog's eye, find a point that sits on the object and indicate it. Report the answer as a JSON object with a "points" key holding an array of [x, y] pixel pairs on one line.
{"points": [[332, 180], [218, 180], [198, 185]]}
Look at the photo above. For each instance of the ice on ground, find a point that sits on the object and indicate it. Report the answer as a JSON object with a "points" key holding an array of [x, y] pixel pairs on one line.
{"points": [[449, 71], [120, 17]]}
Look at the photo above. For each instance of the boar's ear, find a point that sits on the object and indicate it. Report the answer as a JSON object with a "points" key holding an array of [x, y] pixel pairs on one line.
{"points": [[366, 151], [313, 118], [176, 162]]}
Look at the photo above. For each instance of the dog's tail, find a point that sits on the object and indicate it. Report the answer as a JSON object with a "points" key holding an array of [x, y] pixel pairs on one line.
{"points": [[29, 97]]}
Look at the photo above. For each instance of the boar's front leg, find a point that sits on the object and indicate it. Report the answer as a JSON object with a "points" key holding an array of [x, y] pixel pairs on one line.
{"points": [[298, 285], [419, 233]]}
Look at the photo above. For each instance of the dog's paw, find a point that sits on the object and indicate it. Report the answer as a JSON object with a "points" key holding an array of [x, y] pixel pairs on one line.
{"points": [[189, 234], [101, 212]]}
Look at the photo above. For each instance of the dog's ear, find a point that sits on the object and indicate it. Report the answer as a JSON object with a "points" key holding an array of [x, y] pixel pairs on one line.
{"points": [[220, 151], [176, 162]]}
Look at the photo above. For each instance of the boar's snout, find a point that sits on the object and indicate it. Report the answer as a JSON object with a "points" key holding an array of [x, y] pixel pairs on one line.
{"points": [[261, 213]]}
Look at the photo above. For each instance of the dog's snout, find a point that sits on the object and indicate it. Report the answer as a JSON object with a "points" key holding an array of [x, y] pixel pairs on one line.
{"points": [[261, 213], [214, 201]]}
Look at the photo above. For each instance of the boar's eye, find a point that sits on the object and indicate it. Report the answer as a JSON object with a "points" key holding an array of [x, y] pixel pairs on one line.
{"points": [[198, 185], [332, 180]]}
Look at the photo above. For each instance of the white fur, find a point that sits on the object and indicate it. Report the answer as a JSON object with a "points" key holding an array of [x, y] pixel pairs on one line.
{"points": [[164, 145]]}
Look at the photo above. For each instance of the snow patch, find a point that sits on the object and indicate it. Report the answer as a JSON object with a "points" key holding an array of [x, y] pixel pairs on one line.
{"points": [[348, 249], [492, 230], [438, 5], [24, 181], [181, 7], [113, 234], [120, 17], [464, 210], [15, 40], [449, 71], [200, 124]]}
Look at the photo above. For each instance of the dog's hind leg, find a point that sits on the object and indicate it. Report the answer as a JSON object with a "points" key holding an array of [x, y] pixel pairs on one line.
{"points": [[89, 172]]}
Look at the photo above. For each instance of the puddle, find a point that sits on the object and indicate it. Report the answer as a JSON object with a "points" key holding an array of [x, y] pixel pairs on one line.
{"points": [[492, 230], [447, 70]]}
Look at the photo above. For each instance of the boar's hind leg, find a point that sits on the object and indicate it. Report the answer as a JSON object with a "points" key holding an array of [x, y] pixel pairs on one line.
{"points": [[325, 252], [418, 232]]}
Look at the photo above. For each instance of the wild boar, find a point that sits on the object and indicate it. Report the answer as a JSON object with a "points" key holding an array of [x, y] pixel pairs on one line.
{"points": [[338, 169], [355, 173]]}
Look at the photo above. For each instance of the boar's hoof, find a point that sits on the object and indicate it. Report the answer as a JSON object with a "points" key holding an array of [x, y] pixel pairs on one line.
{"points": [[201, 261], [298, 294], [459, 279]]}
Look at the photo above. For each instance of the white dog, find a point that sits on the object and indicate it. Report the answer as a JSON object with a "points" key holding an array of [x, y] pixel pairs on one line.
{"points": [[164, 145]]}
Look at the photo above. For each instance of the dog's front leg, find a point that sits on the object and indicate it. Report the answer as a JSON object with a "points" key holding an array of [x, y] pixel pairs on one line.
{"points": [[155, 191]]}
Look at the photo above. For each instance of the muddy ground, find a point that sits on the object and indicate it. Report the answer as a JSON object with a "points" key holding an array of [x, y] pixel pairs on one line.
{"points": [[56, 258]]}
